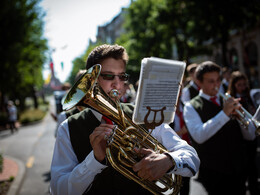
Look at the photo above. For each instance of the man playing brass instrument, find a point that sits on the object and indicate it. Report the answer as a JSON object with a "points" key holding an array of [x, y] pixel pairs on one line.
{"points": [[79, 161], [216, 136]]}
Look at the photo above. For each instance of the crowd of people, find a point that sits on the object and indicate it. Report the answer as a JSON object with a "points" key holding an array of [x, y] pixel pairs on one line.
{"points": [[205, 136], [200, 119], [226, 148]]}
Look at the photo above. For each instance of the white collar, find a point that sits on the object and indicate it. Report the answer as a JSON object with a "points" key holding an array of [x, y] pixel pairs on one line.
{"points": [[225, 81], [207, 97], [194, 85]]}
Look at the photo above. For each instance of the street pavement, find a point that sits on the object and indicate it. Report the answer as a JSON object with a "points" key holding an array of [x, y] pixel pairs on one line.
{"points": [[33, 147]]}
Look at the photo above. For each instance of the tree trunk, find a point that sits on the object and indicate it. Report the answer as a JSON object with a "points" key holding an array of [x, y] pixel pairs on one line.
{"points": [[34, 98], [224, 40], [22, 103], [180, 50]]}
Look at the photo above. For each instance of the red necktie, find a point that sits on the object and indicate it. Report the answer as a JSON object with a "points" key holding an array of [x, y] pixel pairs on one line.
{"points": [[107, 120], [180, 115], [214, 100], [185, 136]]}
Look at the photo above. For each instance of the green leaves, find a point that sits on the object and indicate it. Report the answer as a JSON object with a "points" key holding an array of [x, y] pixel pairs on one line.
{"points": [[155, 27], [22, 47]]}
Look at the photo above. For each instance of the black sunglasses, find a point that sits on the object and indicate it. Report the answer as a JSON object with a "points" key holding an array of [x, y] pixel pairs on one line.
{"points": [[122, 77]]}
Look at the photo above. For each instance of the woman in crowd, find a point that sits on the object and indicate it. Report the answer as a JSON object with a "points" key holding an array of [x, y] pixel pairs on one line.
{"points": [[239, 88]]}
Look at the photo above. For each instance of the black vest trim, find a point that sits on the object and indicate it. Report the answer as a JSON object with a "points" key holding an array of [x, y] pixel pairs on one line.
{"points": [[80, 129], [193, 92], [71, 112]]}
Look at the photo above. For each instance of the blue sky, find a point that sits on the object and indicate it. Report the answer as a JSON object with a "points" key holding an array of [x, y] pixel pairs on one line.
{"points": [[69, 24]]}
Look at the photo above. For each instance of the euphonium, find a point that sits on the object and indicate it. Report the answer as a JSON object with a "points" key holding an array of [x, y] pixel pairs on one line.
{"points": [[244, 116], [126, 134]]}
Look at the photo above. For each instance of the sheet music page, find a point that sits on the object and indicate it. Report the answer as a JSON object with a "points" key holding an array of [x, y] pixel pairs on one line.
{"points": [[159, 87]]}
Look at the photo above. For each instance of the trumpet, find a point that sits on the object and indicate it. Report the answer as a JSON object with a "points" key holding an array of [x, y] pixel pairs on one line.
{"points": [[244, 117]]}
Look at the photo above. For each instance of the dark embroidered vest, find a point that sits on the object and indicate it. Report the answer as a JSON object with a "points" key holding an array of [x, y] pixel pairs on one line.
{"points": [[225, 87], [224, 151], [109, 181], [193, 92], [71, 112]]}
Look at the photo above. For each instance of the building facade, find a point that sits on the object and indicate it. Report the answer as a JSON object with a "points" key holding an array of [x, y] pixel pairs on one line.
{"points": [[112, 30]]}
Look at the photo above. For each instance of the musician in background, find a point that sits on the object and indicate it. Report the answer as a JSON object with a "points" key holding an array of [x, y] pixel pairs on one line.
{"points": [[226, 74], [192, 88], [79, 163], [58, 95], [216, 136], [239, 88], [128, 94]]}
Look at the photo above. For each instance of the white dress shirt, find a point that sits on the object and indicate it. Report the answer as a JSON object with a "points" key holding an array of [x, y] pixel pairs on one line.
{"points": [[185, 95], [68, 176], [60, 118], [201, 132]]}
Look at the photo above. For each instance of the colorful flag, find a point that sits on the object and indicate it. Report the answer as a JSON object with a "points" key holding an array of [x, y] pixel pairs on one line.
{"points": [[52, 67], [48, 79]]}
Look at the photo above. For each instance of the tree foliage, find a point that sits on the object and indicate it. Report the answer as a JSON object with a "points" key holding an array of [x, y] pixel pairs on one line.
{"points": [[145, 36], [22, 48], [154, 26], [182, 29], [79, 63], [218, 19]]}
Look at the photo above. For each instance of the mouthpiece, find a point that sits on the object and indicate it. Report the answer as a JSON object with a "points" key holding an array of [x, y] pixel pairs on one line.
{"points": [[114, 93]]}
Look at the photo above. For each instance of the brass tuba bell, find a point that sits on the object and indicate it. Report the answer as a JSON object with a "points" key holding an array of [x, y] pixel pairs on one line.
{"points": [[126, 134]]}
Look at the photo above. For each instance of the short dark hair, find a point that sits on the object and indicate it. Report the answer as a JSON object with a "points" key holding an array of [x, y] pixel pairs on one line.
{"points": [[235, 77], [191, 68], [205, 67], [105, 51], [226, 70]]}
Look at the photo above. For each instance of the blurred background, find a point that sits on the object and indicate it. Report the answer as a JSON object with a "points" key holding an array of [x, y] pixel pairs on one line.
{"points": [[44, 43]]}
